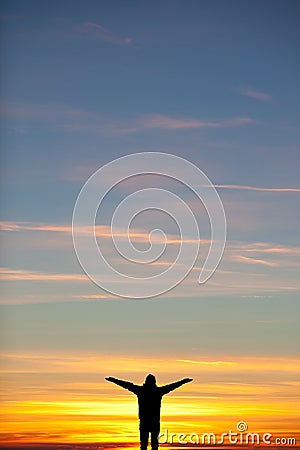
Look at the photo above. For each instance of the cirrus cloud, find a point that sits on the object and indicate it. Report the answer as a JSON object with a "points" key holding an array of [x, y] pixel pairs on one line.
{"points": [[253, 93]]}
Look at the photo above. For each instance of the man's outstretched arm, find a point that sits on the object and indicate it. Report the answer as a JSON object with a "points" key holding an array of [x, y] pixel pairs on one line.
{"points": [[170, 387], [124, 384]]}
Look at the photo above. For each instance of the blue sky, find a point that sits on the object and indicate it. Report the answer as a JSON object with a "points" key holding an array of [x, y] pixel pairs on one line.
{"points": [[214, 82]]}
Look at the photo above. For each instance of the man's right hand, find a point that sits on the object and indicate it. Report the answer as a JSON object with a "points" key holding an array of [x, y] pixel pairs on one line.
{"points": [[188, 380]]}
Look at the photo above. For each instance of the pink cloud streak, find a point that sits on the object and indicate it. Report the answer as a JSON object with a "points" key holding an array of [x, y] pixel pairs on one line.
{"points": [[253, 188], [171, 123], [79, 120], [248, 260], [252, 93], [97, 31], [30, 275]]}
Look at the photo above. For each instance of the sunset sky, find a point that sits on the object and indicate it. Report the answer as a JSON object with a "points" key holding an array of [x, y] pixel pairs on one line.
{"points": [[84, 83]]}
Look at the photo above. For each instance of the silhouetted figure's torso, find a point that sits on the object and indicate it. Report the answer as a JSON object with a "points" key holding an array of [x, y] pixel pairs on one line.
{"points": [[149, 399]]}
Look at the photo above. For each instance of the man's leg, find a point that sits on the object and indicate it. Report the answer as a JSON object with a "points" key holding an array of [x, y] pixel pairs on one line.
{"points": [[155, 428], [144, 435]]}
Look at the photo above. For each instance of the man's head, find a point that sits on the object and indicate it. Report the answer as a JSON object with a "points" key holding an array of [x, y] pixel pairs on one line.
{"points": [[150, 380]]}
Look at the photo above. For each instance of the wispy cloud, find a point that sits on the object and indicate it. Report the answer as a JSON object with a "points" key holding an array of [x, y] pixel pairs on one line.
{"points": [[253, 93], [100, 230], [233, 277], [254, 188], [207, 363], [155, 122], [104, 231], [97, 31], [53, 113], [248, 260], [66, 29], [31, 275], [140, 235], [93, 296], [173, 123], [263, 253], [79, 120], [260, 247], [34, 226], [257, 296]]}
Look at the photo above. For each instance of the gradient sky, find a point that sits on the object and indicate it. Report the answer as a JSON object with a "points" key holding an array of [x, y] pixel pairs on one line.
{"points": [[83, 83]]}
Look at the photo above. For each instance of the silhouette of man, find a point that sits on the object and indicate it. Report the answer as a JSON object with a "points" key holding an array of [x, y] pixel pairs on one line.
{"points": [[149, 398]]}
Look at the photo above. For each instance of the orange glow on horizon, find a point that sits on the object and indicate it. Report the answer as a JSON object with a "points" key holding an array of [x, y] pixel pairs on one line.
{"points": [[64, 398]]}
